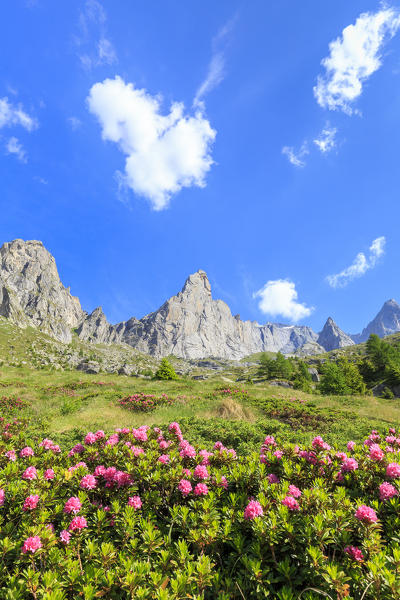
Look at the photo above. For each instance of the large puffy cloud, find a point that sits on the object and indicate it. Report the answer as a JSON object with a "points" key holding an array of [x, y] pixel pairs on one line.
{"points": [[164, 152], [279, 297], [360, 265], [353, 58]]}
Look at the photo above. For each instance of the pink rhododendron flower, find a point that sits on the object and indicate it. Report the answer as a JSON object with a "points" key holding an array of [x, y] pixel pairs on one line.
{"points": [[65, 537], [140, 434], [187, 451], [318, 442], [278, 454], [223, 483], [291, 503], [294, 491], [164, 459], [100, 434], [49, 474], [187, 472], [135, 501], [88, 482], [77, 523], [376, 453], [393, 470], [31, 544], [200, 472], [29, 473], [99, 470], [269, 441], [72, 505], [253, 510], [366, 514], [354, 553], [341, 456], [349, 464], [31, 502], [351, 445], [185, 487], [11, 455], [201, 489], [272, 478], [2, 496], [218, 446], [27, 451], [387, 490], [90, 438], [163, 444]]}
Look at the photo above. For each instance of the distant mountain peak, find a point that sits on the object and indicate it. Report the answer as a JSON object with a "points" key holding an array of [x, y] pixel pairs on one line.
{"points": [[197, 283], [386, 322], [332, 337]]}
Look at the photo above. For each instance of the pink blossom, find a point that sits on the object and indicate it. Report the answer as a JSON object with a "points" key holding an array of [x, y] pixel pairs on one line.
{"points": [[294, 491], [99, 470], [218, 446], [2, 496], [187, 450], [49, 474], [393, 470], [291, 503], [31, 544], [187, 472], [205, 456], [350, 446], [164, 459], [140, 434], [29, 473], [77, 449], [185, 487], [99, 435], [65, 536], [278, 454], [318, 442], [90, 438], [366, 514], [88, 482], [253, 510], [77, 523], [387, 490], [269, 441], [31, 502], [272, 478], [135, 501], [163, 444], [376, 453], [223, 483], [354, 553], [11, 455], [200, 472], [72, 505], [392, 431], [201, 489], [341, 456], [27, 451], [349, 464]]}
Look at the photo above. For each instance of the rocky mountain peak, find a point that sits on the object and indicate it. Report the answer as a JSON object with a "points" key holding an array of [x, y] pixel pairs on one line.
{"points": [[197, 283], [386, 322], [332, 337]]}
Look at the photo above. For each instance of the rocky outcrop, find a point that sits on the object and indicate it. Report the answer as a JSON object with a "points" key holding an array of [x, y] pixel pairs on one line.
{"points": [[332, 337], [386, 322], [31, 292]]}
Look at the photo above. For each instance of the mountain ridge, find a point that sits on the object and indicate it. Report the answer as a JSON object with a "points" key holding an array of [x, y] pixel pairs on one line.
{"points": [[190, 324]]}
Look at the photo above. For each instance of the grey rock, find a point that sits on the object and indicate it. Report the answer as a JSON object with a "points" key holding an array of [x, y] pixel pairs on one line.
{"points": [[90, 367], [285, 384], [199, 377], [125, 370], [332, 337], [386, 322], [31, 292], [314, 374]]}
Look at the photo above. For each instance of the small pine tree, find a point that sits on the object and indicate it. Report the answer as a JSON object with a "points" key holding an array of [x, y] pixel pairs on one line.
{"points": [[302, 380], [165, 371]]}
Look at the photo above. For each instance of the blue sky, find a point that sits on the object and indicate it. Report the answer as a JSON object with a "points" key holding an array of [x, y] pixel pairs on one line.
{"points": [[131, 195]]}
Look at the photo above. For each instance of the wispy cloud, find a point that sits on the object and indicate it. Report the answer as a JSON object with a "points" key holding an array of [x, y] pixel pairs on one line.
{"points": [[75, 123], [296, 157], [94, 46], [360, 265], [14, 114], [164, 153], [326, 140], [279, 297], [353, 58], [216, 68], [14, 146]]}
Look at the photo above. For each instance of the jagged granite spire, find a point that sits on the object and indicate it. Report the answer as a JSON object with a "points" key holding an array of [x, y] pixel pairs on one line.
{"points": [[386, 322], [332, 337]]}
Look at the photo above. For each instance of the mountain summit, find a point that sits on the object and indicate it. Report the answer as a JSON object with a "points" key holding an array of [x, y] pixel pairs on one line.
{"points": [[190, 324]]}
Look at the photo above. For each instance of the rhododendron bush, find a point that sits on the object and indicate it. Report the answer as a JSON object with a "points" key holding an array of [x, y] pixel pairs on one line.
{"points": [[142, 513]]}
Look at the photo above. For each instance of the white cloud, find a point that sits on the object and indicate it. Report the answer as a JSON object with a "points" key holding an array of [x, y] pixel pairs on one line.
{"points": [[353, 58], [326, 139], [95, 49], [75, 123], [13, 146], [164, 152], [360, 265], [15, 115], [216, 68], [296, 158], [279, 297]]}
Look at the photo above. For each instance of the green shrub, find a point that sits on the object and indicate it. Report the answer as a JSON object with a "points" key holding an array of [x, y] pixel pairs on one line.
{"points": [[341, 378], [165, 371]]}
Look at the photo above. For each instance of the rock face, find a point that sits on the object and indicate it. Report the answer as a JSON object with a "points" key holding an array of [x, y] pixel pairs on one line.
{"points": [[386, 322], [332, 337], [31, 292], [190, 325]]}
